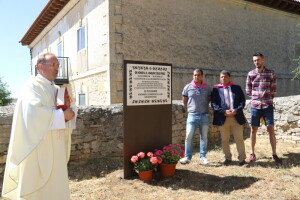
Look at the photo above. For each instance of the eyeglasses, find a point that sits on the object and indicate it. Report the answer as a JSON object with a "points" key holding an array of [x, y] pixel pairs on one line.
{"points": [[51, 64]]}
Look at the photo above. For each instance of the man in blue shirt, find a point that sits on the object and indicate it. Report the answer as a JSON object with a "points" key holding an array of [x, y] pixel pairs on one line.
{"points": [[196, 97]]}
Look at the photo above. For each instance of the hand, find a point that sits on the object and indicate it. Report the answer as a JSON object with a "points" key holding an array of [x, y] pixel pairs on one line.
{"points": [[227, 113], [69, 114], [233, 112], [230, 113]]}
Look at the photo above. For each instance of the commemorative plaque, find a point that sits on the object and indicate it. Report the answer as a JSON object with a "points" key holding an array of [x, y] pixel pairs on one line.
{"points": [[147, 104], [148, 84]]}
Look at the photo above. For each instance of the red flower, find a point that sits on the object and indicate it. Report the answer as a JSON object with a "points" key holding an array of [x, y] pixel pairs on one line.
{"points": [[150, 154], [134, 159], [158, 153], [166, 148], [141, 154], [153, 160], [174, 152], [181, 154], [159, 160]]}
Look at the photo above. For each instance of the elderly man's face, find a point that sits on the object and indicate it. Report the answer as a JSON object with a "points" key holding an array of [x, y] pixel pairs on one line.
{"points": [[49, 69]]}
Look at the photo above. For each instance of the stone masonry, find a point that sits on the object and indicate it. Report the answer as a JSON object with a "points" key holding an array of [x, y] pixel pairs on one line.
{"points": [[99, 131]]}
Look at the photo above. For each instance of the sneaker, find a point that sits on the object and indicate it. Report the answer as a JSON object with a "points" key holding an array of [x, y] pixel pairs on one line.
{"points": [[252, 157], [276, 159], [242, 163], [204, 161], [227, 162], [184, 160]]}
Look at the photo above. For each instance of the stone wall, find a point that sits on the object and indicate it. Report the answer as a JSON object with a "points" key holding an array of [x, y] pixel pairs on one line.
{"points": [[99, 130], [208, 34]]}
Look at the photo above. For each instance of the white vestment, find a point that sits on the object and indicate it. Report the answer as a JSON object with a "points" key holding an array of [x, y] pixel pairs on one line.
{"points": [[36, 166]]}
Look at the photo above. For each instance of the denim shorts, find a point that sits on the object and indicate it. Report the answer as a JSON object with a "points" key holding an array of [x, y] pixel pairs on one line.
{"points": [[267, 114]]}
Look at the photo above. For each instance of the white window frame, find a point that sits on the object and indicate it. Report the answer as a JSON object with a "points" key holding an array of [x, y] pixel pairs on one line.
{"points": [[81, 38], [60, 47], [79, 103]]}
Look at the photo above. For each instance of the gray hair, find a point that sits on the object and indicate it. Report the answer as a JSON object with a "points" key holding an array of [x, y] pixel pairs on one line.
{"points": [[225, 72], [42, 58]]}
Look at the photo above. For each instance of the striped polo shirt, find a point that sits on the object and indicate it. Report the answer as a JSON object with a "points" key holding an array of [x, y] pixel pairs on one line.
{"points": [[261, 87]]}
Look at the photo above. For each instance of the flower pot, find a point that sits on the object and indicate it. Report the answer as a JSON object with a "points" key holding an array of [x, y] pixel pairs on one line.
{"points": [[146, 175], [167, 170]]}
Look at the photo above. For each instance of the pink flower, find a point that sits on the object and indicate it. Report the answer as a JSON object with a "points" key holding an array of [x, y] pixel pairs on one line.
{"points": [[166, 148], [182, 154], [153, 160], [159, 160], [170, 145], [174, 152], [150, 154], [158, 153], [178, 145], [141, 154], [134, 159]]}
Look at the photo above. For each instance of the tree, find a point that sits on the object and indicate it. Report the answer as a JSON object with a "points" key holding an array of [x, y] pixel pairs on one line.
{"points": [[4, 94]]}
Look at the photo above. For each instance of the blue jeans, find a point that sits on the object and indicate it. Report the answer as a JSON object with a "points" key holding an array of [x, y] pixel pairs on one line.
{"points": [[195, 121]]}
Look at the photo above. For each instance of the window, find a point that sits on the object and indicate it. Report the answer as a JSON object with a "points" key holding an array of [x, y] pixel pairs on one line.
{"points": [[59, 54], [82, 99], [59, 50], [80, 38]]}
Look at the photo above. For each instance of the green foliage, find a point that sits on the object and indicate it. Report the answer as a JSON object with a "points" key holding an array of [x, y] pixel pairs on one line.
{"points": [[4, 94], [143, 164], [170, 154], [296, 71]]}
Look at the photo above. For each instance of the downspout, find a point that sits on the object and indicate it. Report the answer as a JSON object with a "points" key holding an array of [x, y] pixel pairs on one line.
{"points": [[30, 51]]}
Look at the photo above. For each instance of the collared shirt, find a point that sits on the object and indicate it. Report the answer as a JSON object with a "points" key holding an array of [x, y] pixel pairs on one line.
{"points": [[261, 87], [230, 96], [197, 100]]}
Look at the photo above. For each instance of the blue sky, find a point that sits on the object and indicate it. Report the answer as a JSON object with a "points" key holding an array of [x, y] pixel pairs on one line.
{"points": [[15, 18]]}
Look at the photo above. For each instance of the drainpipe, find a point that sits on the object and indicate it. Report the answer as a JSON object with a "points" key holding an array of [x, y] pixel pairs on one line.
{"points": [[30, 50]]}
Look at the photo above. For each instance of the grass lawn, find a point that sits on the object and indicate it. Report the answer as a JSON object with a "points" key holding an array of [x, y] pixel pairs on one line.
{"points": [[264, 179]]}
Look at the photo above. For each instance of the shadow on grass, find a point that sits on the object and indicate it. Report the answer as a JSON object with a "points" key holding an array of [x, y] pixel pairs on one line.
{"points": [[289, 160], [98, 167], [190, 180]]}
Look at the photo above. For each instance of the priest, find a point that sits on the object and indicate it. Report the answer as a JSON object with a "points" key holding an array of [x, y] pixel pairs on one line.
{"points": [[39, 147]]}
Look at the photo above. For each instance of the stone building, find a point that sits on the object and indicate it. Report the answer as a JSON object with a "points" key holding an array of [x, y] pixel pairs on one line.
{"points": [[94, 37]]}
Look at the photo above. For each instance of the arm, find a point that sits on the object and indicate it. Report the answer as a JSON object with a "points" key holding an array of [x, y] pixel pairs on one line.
{"points": [[184, 100], [248, 86], [240, 98], [215, 102], [69, 114], [273, 85]]}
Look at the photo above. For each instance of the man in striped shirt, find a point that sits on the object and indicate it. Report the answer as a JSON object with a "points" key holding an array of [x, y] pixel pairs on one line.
{"points": [[261, 87]]}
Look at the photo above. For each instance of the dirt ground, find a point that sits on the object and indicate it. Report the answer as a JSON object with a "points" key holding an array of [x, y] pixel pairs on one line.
{"points": [[99, 179]]}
